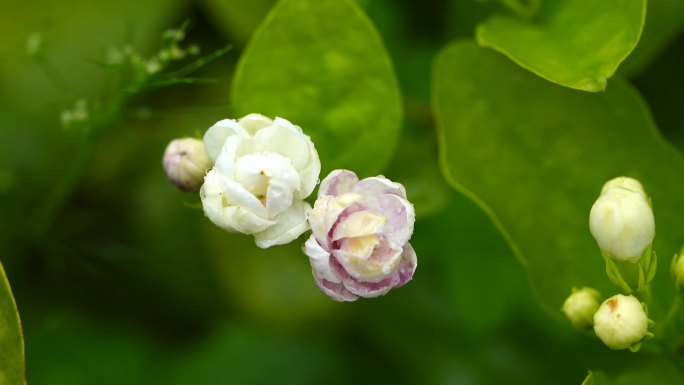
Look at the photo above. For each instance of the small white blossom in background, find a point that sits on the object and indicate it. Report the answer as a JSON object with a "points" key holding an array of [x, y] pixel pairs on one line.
{"points": [[581, 306], [621, 220], [621, 322], [359, 246], [78, 117], [185, 163], [264, 169]]}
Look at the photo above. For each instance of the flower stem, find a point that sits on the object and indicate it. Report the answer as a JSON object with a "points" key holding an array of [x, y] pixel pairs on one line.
{"points": [[45, 214]]}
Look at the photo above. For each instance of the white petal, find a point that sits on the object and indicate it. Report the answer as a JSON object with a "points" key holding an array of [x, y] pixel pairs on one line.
{"points": [[235, 194], [289, 225], [320, 260], [254, 122], [225, 215], [359, 224], [217, 134], [226, 158]]}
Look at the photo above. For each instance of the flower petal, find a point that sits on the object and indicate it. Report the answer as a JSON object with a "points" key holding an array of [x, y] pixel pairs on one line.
{"points": [[288, 226], [400, 214], [359, 224], [336, 291], [326, 213], [381, 263], [377, 186], [320, 260], [288, 140], [364, 289], [223, 214], [338, 182], [407, 266], [217, 134], [235, 194], [254, 122]]}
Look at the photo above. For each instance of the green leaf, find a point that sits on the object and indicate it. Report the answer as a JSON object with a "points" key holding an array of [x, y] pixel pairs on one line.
{"points": [[664, 20], [534, 156], [323, 66], [575, 43], [11, 339]]}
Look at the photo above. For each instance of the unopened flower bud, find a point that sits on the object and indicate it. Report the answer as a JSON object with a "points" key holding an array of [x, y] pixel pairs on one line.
{"points": [[186, 162], [581, 306], [621, 220], [624, 182], [678, 269], [621, 322]]}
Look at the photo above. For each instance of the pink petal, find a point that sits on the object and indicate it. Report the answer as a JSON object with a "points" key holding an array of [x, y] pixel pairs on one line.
{"points": [[363, 289], [379, 185], [408, 265], [337, 183], [336, 291], [401, 218]]}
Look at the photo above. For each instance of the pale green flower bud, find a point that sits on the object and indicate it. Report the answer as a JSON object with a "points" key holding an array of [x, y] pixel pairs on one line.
{"points": [[621, 322], [678, 269], [581, 306], [621, 220], [185, 163]]}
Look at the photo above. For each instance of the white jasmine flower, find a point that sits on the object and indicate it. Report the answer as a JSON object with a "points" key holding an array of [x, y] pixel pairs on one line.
{"points": [[264, 169]]}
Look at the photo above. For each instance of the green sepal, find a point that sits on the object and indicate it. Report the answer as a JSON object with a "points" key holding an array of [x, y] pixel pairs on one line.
{"points": [[613, 273], [635, 347]]}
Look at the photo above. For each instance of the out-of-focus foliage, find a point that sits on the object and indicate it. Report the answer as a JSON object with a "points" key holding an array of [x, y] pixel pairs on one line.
{"points": [[125, 281]]}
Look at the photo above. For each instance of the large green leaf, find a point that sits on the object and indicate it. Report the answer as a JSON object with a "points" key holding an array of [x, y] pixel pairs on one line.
{"points": [[11, 340], [322, 65], [575, 43], [534, 156]]}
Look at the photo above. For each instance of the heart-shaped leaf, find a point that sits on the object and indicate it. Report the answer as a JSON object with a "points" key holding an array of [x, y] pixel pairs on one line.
{"points": [[323, 66], [575, 43]]}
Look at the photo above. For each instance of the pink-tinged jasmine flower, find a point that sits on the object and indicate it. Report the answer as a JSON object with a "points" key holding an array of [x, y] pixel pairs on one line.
{"points": [[361, 228]]}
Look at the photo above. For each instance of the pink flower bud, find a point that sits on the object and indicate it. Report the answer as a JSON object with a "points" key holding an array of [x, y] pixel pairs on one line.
{"points": [[185, 163], [359, 246]]}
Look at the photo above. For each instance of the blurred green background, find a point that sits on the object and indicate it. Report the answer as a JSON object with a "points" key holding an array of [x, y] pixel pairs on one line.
{"points": [[125, 282]]}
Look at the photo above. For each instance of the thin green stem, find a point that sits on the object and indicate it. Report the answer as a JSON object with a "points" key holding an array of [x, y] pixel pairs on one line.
{"points": [[199, 63], [46, 213]]}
